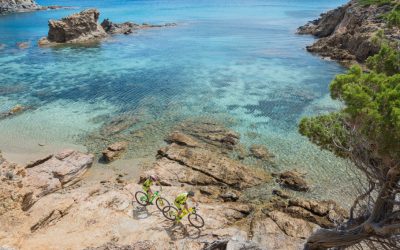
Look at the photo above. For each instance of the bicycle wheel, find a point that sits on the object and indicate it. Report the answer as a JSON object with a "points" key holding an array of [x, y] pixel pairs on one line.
{"points": [[196, 220], [161, 203], [170, 212], [141, 198]]}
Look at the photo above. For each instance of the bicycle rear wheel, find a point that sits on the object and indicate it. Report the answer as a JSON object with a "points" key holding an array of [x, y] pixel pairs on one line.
{"points": [[196, 220], [161, 203], [141, 198], [170, 212]]}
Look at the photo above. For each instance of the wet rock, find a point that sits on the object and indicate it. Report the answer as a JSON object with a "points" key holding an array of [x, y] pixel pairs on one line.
{"points": [[128, 27], [260, 152], [113, 151], [181, 139], [118, 28], [346, 33], [76, 28], [10, 6], [294, 180]]}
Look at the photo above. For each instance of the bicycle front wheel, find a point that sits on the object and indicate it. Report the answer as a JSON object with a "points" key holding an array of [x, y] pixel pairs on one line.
{"points": [[170, 212], [141, 198], [196, 220], [161, 203]]}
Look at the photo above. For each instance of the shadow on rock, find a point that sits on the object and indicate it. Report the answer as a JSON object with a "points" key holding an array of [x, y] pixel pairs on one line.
{"points": [[140, 212], [180, 231]]}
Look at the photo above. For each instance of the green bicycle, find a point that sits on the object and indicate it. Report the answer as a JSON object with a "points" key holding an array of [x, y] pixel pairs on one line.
{"points": [[171, 213], [143, 199]]}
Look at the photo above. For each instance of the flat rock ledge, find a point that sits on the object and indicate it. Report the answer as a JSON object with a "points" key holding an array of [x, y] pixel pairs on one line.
{"points": [[22, 186], [84, 27]]}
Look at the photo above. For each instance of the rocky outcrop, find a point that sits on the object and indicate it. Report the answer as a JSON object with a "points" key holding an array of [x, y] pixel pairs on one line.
{"points": [[345, 34], [9, 6], [23, 186], [83, 27], [325, 213], [113, 151]]}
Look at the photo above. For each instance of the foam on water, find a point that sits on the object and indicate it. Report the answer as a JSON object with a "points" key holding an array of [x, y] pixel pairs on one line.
{"points": [[239, 62]]}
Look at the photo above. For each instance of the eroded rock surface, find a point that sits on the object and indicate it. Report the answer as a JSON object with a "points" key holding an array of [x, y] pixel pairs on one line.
{"points": [[345, 34], [22, 186], [80, 27]]}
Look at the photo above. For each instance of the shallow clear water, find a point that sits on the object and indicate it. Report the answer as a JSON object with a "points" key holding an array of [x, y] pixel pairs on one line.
{"points": [[235, 61]]}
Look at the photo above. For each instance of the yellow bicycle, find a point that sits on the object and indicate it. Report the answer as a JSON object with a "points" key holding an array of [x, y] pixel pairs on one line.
{"points": [[171, 213]]}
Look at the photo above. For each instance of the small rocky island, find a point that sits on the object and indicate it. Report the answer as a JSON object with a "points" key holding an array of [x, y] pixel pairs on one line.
{"points": [[84, 27]]}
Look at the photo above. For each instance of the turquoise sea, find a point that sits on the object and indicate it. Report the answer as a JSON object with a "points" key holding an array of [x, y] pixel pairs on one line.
{"points": [[237, 61]]}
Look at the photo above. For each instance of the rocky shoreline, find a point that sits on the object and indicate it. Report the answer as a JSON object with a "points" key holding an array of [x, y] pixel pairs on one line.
{"points": [[51, 198], [346, 34], [15, 6]]}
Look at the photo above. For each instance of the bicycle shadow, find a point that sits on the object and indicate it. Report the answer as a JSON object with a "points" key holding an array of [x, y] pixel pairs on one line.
{"points": [[178, 231], [141, 212]]}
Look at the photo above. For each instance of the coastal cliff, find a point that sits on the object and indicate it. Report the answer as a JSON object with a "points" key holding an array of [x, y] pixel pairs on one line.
{"points": [[9, 6], [346, 34]]}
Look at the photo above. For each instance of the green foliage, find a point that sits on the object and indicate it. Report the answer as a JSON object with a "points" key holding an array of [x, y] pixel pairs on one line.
{"points": [[393, 17], [372, 102], [375, 2], [326, 131], [387, 61]]}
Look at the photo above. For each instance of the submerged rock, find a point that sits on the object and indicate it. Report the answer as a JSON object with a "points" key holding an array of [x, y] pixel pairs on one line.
{"points": [[113, 151], [260, 152], [119, 28], [16, 109], [294, 180]]}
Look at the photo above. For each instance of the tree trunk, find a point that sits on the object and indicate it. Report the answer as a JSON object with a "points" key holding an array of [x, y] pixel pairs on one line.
{"points": [[325, 238]]}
